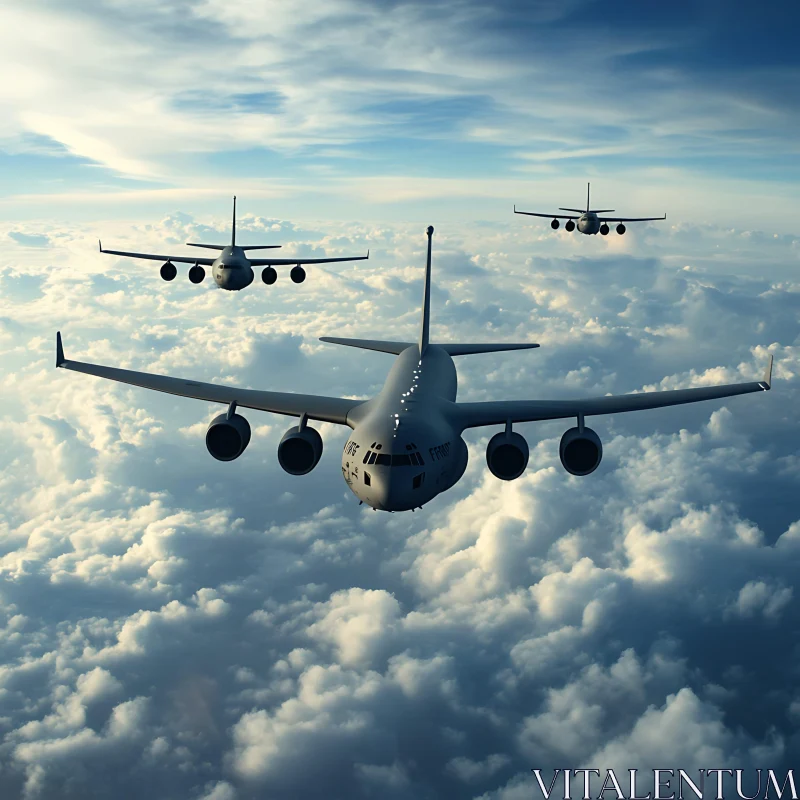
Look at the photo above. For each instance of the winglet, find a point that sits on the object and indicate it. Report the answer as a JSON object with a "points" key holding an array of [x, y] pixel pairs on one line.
{"points": [[59, 350], [100, 245], [766, 384]]}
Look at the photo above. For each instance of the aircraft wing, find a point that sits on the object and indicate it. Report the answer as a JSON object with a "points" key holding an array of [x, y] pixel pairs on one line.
{"points": [[473, 415], [281, 262], [152, 257], [631, 219], [326, 409], [549, 216]]}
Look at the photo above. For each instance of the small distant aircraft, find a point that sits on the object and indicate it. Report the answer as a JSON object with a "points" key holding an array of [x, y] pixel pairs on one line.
{"points": [[588, 221], [231, 269], [406, 443]]}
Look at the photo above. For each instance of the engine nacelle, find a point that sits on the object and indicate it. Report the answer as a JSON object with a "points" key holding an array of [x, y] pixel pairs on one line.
{"points": [[168, 271], [570, 226], [621, 229], [197, 274], [554, 224], [580, 451], [604, 229], [226, 439], [507, 455], [269, 276], [298, 274], [300, 450]]}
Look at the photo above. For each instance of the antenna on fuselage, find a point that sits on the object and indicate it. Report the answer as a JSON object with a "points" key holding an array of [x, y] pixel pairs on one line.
{"points": [[233, 227], [424, 334]]}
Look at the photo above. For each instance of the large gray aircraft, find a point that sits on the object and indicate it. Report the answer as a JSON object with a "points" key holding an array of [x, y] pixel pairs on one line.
{"points": [[232, 269], [406, 444], [589, 221]]}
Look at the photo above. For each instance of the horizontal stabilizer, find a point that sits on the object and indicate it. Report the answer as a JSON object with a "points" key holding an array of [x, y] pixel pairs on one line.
{"points": [[207, 246], [472, 349], [451, 349], [260, 246], [370, 344]]}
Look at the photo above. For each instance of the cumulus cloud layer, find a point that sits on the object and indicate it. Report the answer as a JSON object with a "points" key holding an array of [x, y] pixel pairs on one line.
{"points": [[226, 631]]}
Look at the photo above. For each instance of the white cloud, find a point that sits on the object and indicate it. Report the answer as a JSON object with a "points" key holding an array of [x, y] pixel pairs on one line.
{"points": [[228, 631]]}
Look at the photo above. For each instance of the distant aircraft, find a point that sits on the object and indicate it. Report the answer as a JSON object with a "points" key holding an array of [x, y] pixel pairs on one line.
{"points": [[588, 221], [231, 269], [406, 444]]}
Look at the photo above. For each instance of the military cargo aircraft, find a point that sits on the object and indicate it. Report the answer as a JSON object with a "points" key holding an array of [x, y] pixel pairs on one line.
{"points": [[406, 444], [232, 269]]}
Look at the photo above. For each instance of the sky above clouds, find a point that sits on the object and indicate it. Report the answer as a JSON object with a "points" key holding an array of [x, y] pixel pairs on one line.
{"points": [[192, 629]]}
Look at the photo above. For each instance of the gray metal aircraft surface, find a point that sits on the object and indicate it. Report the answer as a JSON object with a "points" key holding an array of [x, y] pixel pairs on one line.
{"points": [[232, 269], [589, 221], [406, 444]]}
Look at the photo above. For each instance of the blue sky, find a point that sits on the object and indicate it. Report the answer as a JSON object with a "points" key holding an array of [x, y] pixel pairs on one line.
{"points": [[199, 99], [174, 626]]}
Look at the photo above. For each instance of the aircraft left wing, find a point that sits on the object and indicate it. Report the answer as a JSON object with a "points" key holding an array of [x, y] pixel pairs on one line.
{"points": [[326, 409], [630, 219], [474, 415], [280, 262], [548, 216], [206, 262]]}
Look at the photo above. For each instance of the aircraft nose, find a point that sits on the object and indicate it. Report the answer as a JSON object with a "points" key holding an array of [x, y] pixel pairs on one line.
{"points": [[380, 492]]}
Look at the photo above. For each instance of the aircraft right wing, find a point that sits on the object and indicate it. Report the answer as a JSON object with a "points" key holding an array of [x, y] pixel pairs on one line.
{"points": [[326, 409], [631, 219], [548, 216], [207, 262], [499, 412], [285, 262]]}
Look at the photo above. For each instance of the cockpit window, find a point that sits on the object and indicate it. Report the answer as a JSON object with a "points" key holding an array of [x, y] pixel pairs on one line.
{"points": [[401, 460], [383, 460]]}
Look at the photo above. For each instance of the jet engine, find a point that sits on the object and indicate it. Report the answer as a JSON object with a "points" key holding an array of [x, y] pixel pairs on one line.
{"points": [[580, 451], [299, 450], [298, 274], [620, 229], [570, 226], [197, 274], [227, 437], [604, 229], [269, 276], [507, 455], [168, 271], [554, 224]]}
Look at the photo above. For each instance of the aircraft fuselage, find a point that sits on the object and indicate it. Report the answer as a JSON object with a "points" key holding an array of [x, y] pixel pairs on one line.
{"points": [[588, 223], [403, 451], [232, 270]]}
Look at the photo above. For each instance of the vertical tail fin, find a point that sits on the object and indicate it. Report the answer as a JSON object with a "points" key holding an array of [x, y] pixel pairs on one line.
{"points": [[233, 226], [424, 333], [588, 186]]}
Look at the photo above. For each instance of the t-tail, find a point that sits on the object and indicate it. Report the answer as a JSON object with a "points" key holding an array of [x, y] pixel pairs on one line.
{"points": [[233, 238], [453, 349]]}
